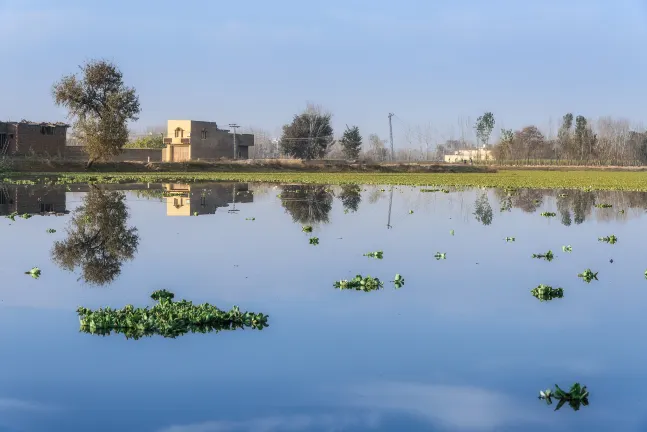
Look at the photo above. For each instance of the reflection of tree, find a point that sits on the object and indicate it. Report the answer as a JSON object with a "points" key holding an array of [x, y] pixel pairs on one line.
{"points": [[307, 204], [528, 200], [580, 203], [98, 239], [351, 197], [483, 209]]}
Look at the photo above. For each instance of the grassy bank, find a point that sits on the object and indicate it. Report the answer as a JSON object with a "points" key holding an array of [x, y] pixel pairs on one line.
{"points": [[598, 180]]}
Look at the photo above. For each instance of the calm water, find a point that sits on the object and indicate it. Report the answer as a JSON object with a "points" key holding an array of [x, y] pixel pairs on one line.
{"points": [[462, 346]]}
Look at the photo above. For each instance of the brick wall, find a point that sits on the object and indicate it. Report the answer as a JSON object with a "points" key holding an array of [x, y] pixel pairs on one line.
{"points": [[29, 139], [128, 155]]}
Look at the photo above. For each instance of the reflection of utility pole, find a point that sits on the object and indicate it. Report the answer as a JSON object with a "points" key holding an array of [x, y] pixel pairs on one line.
{"points": [[234, 126], [388, 223], [391, 136], [234, 209]]}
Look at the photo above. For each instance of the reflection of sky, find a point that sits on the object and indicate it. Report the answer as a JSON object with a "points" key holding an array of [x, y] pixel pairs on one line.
{"points": [[463, 346]]}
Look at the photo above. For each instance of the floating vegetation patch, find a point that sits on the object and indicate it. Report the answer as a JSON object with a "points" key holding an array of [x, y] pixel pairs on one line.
{"points": [[609, 239], [25, 216], [166, 318], [314, 240], [306, 229], [548, 256], [451, 232], [435, 190], [195, 213], [12, 216], [603, 205], [250, 219], [398, 281], [440, 256], [34, 272], [588, 276], [50, 231], [548, 214], [577, 397], [567, 248], [547, 293], [378, 254], [360, 283], [510, 239], [410, 211]]}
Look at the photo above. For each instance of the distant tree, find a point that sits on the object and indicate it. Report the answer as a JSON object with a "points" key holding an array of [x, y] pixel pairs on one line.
{"points": [[309, 136], [98, 239], [351, 142], [307, 204], [147, 142], [101, 106], [351, 197], [484, 127], [378, 150], [483, 210], [530, 142], [585, 139], [503, 149]]}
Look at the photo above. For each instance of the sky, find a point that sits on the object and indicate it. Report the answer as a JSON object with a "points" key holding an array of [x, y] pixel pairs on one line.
{"points": [[436, 65]]}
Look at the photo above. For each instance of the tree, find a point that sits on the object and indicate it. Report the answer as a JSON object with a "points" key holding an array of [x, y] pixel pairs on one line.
{"points": [[101, 106], [351, 197], [378, 148], [309, 136], [351, 142], [147, 142], [307, 204], [484, 126], [98, 240]]}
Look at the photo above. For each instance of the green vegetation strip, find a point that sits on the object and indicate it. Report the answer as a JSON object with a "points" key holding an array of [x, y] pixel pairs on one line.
{"points": [[167, 318], [589, 180]]}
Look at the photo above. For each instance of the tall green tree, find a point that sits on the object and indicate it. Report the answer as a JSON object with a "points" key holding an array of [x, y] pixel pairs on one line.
{"points": [[351, 142], [101, 106], [351, 197], [309, 136], [484, 127], [98, 238], [307, 204]]}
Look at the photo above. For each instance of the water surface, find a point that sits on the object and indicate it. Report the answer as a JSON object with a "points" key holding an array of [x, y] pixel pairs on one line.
{"points": [[463, 346]]}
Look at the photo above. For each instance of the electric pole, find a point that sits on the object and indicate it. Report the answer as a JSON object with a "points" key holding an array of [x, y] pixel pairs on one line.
{"points": [[234, 126], [391, 137]]}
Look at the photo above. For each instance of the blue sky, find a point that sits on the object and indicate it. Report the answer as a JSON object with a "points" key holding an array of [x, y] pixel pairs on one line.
{"points": [[432, 63]]}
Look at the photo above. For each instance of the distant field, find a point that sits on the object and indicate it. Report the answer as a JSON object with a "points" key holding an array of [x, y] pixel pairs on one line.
{"points": [[580, 179]]}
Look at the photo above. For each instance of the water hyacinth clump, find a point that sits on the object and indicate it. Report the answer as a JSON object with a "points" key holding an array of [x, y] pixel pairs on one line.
{"points": [[548, 256], [34, 272], [577, 396], [547, 293], [167, 318], [510, 239], [360, 283], [609, 239], [314, 241], [588, 275], [50, 231], [568, 248], [440, 256], [306, 229], [398, 281], [603, 205], [548, 214], [378, 254]]}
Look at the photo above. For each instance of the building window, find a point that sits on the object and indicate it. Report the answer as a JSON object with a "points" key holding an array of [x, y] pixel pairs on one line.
{"points": [[204, 134], [47, 130], [179, 132]]}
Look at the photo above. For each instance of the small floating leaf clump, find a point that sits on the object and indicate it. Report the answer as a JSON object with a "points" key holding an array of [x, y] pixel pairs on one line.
{"points": [[25, 215], [360, 283], [314, 241], [587, 275], [440, 256], [306, 228], [250, 219], [377, 254], [166, 318], [609, 239], [578, 396], [510, 239], [50, 231], [548, 214], [398, 281], [568, 248], [548, 256], [547, 293], [603, 205], [34, 272]]}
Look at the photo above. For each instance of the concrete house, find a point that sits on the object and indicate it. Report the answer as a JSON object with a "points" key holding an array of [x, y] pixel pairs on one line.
{"points": [[189, 200], [199, 140], [464, 156], [25, 138]]}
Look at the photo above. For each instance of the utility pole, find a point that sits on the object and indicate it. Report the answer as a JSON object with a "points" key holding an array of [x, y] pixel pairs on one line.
{"points": [[234, 126], [391, 137]]}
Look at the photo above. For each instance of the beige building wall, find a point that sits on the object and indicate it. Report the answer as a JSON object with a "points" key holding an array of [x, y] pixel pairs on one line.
{"points": [[203, 141]]}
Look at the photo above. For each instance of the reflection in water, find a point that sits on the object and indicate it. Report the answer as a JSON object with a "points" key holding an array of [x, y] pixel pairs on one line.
{"points": [[483, 209], [577, 397], [202, 199], [307, 204], [351, 197], [98, 239], [28, 199]]}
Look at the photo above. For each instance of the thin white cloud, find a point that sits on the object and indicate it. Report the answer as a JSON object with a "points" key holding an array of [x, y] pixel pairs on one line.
{"points": [[10, 404], [282, 423]]}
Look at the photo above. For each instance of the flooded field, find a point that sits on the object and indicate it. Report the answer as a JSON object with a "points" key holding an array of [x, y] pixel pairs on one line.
{"points": [[359, 308]]}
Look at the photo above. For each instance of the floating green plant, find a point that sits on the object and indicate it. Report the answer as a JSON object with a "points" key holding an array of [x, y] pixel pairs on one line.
{"points": [[587, 275], [360, 283], [609, 239], [568, 248], [546, 293], [578, 396], [25, 216], [12, 216], [250, 219], [603, 205], [562, 195], [306, 228], [451, 232], [195, 213], [645, 274], [314, 240], [378, 254], [510, 239], [34, 272], [50, 231], [429, 190], [398, 281], [548, 256], [440, 256], [166, 318], [548, 214], [410, 211]]}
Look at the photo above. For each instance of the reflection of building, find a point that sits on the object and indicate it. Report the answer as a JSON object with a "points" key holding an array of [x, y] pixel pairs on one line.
{"points": [[465, 155], [189, 200], [32, 199], [193, 140], [23, 138]]}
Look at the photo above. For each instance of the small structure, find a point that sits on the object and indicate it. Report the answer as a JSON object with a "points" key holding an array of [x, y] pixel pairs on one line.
{"points": [[190, 200], [33, 200], [26, 138], [467, 155], [199, 140]]}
